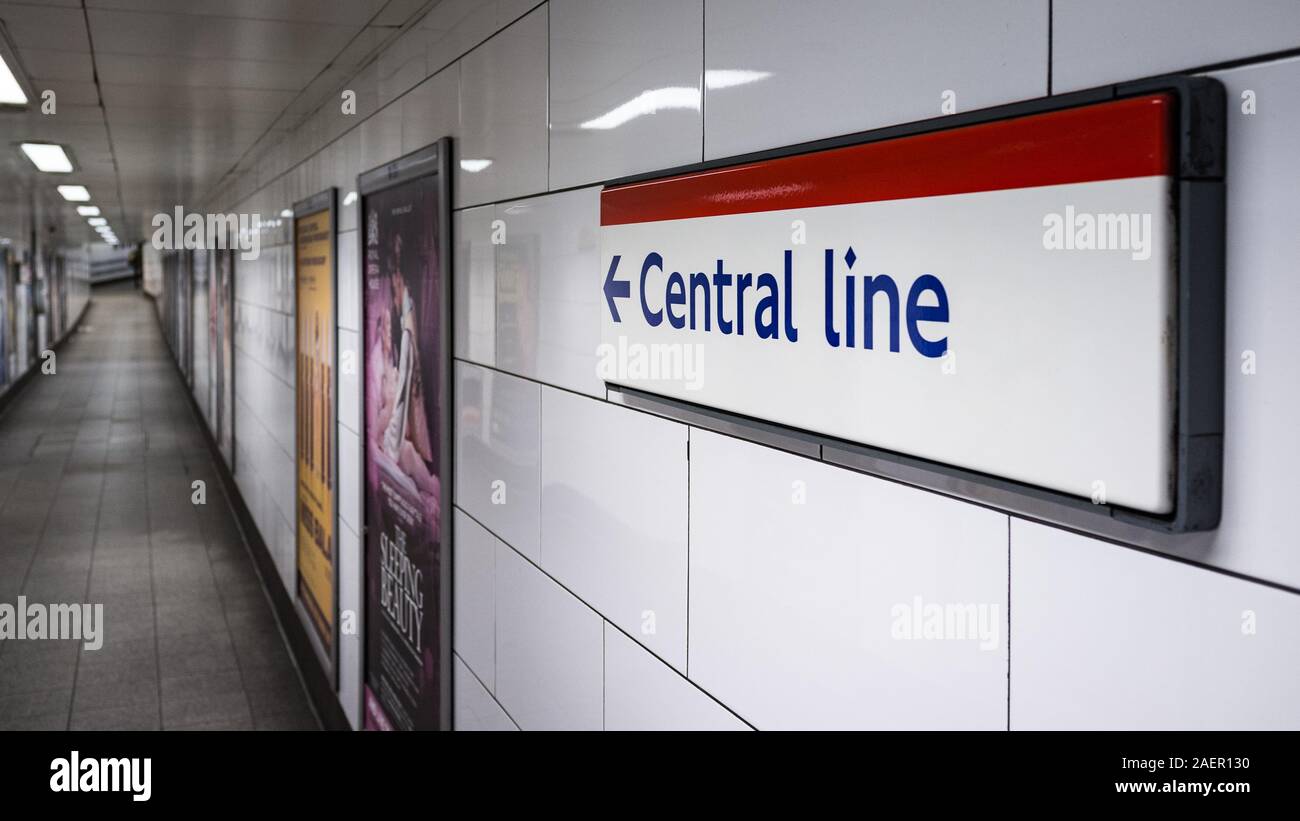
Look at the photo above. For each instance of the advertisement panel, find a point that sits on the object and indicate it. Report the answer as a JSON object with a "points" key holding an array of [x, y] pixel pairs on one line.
{"points": [[405, 221], [316, 432], [1002, 297]]}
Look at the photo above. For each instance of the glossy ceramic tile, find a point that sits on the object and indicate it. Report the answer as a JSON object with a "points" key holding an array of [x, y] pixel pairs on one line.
{"points": [[814, 592], [625, 87], [1107, 637], [502, 152], [381, 136], [1262, 377], [351, 646], [473, 590], [498, 472], [349, 280], [548, 312], [549, 650], [349, 381], [430, 111], [474, 289], [779, 73], [473, 707], [643, 693], [614, 497], [350, 475], [1143, 39]]}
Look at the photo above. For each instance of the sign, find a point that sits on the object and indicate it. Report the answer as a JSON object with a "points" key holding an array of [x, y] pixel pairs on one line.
{"points": [[405, 220], [316, 418], [1002, 297]]}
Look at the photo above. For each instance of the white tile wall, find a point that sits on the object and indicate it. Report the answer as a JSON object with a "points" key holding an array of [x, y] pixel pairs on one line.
{"points": [[779, 72], [349, 381], [793, 602], [498, 440], [549, 650], [625, 87], [548, 305], [614, 515], [503, 115], [474, 708], [474, 289], [1262, 441], [351, 646], [349, 278], [643, 693], [474, 609], [431, 110], [1161, 36], [1107, 637]]}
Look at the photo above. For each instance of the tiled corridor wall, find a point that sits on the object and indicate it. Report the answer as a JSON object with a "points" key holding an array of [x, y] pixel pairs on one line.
{"points": [[625, 584]]}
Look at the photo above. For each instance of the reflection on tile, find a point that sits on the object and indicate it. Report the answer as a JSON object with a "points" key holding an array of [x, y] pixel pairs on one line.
{"points": [[782, 73], [502, 150], [498, 475], [625, 88], [614, 500]]}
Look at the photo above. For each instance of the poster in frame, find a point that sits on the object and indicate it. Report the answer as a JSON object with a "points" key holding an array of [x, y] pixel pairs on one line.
{"points": [[404, 218], [315, 255]]}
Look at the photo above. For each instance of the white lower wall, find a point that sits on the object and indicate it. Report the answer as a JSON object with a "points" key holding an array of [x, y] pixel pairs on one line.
{"points": [[766, 611]]}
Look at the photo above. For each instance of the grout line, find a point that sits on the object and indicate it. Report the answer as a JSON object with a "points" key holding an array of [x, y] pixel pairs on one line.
{"points": [[566, 589], [1008, 622], [486, 689]]}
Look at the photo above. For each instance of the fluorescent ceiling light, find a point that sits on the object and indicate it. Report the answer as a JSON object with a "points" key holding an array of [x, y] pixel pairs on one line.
{"points": [[74, 193], [97, 221], [647, 102], [474, 166], [11, 93], [88, 210], [48, 157]]}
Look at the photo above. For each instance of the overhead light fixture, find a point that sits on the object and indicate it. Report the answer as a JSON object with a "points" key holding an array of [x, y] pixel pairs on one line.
{"points": [[48, 157], [14, 89], [74, 193], [97, 221], [88, 210]]}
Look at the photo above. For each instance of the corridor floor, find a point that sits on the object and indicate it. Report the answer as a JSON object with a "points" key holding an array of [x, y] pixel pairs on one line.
{"points": [[97, 463]]}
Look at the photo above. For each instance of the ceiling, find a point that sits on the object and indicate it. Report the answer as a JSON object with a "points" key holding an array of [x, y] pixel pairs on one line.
{"points": [[157, 100]]}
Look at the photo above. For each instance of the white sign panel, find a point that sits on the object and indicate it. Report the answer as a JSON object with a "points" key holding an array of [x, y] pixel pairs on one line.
{"points": [[1001, 297]]}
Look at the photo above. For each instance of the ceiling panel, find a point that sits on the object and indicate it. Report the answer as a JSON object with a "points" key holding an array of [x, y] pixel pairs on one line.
{"points": [[190, 90]]}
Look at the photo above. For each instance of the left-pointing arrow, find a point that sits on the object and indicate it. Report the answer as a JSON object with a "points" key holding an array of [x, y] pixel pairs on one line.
{"points": [[615, 288]]}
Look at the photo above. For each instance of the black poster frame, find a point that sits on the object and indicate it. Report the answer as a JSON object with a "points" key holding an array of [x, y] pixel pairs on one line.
{"points": [[431, 160]]}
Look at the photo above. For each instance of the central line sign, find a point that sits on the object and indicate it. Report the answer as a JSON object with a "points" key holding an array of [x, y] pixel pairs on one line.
{"points": [[1002, 297]]}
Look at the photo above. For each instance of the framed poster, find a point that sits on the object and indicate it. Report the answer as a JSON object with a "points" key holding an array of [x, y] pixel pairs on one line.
{"points": [[316, 433], [405, 221]]}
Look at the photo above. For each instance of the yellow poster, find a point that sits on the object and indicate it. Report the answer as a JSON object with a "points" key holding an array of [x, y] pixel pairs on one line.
{"points": [[314, 272]]}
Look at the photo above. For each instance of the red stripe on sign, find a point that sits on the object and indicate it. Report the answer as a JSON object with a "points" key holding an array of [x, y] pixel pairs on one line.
{"points": [[1105, 141]]}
